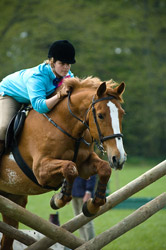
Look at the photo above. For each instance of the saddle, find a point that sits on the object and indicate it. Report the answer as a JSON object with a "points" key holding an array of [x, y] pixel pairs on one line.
{"points": [[15, 126]]}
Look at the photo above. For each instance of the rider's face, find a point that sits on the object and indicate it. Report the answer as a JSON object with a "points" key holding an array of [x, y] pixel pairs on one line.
{"points": [[61, 69]]}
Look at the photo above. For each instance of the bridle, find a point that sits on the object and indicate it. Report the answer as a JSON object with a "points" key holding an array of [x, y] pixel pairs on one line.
{"points": [[101, 137], [81, 139]]}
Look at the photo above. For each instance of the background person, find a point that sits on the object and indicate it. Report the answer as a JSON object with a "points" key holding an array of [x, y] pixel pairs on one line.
{"points": [[82, 191]]}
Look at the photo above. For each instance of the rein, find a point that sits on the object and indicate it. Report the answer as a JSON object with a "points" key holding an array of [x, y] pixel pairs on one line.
{"points": [[68, 104]]}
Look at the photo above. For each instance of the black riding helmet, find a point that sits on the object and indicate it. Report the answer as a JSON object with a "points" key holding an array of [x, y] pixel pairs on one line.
{"points": [[63, 51]]}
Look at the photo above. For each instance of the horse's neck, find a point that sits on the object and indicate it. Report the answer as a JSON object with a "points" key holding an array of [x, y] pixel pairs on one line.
{"points": [[79, 104]]}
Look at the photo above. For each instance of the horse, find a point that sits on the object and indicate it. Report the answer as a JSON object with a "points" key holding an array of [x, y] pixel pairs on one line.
{"points": [[59, 146]]}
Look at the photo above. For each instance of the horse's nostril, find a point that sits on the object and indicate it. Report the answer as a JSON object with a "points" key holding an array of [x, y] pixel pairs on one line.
{"points": [[114, 159]]}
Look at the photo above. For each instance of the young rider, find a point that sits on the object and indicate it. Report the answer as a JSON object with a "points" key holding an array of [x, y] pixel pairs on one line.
{"points": [[34, 85]]}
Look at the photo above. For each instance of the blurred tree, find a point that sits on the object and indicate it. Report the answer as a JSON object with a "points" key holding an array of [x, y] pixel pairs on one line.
{"points": [[123, 40]]}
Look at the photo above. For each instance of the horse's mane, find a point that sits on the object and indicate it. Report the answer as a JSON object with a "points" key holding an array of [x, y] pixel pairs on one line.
{"points": [[93, 83], [76, 83]]}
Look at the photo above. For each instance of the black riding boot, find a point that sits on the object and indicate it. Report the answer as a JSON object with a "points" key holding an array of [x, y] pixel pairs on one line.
{"points": [[2, 148]]}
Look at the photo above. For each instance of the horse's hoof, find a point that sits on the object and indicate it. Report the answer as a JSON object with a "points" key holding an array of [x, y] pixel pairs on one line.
{"points": [[56, 201], [52, 204], [85, 210], [89, 209]]}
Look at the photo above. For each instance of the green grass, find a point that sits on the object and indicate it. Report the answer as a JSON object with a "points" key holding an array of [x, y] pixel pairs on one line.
{"points": [[131, 171], [148, 236]]}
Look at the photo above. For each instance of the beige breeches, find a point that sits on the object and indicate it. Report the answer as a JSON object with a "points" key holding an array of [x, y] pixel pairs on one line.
{"points": [[87, 231], [8, 108]]}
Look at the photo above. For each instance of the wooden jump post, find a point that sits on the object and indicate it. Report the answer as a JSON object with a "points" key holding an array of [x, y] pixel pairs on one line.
{"points": [[112, 200], [59, 234]]}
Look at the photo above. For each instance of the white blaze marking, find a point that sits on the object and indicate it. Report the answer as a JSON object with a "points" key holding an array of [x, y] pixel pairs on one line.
{"points": [[116, 129]]}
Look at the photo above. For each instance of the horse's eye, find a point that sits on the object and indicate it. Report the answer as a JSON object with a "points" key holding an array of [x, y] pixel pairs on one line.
{"points": [[100, 116]]}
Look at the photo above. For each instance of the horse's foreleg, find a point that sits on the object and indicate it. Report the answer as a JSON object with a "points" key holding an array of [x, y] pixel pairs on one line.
{"points": [[7, 242], [103, 170], [69, 172], [52, 172]]}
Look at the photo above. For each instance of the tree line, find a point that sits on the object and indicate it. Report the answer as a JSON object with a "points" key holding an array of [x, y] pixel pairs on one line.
{"points": [[123, 40]]}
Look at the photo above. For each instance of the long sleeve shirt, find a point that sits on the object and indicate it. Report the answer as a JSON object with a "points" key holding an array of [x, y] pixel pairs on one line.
{"points": [[32, 85]]}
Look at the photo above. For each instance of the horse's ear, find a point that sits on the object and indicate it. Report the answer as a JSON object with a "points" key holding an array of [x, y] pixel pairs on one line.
{"points": [[121, 88], [101, 89]]}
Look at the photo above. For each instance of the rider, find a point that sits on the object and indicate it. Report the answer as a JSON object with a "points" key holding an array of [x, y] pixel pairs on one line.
{"points": [[34, 85]]}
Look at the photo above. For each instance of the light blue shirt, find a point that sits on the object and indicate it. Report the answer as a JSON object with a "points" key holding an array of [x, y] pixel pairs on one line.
{"points": [[32, 85]]}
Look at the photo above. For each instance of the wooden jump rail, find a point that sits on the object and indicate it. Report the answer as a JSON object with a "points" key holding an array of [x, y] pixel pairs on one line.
{"points": [[131, 221], [112, 200], [120, 195], [45, 227]]}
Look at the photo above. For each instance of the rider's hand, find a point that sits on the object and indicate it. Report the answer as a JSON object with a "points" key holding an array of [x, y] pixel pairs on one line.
{"points": [[64, 91], [87, 196]]}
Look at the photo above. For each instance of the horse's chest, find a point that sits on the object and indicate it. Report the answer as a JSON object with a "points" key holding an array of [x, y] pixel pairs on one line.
{"points": [[79, 155]]}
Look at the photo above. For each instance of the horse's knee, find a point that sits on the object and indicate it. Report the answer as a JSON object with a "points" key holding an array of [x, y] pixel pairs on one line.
{"points": [[70, 171]]}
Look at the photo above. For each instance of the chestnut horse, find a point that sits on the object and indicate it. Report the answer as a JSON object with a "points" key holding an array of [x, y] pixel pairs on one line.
{"points": [[58, 146]]}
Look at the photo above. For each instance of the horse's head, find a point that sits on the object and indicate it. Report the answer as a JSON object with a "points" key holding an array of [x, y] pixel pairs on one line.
{"points": [[105, 122]]}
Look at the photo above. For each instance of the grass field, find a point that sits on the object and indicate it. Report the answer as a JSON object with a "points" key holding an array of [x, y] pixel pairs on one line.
{"points": [[151, 235]]}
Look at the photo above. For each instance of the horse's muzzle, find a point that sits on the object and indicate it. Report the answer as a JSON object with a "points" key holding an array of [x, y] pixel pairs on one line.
{"points": [[117, 163]]}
